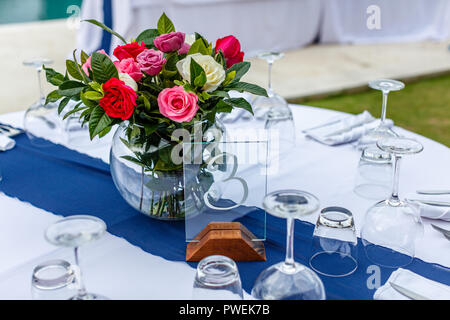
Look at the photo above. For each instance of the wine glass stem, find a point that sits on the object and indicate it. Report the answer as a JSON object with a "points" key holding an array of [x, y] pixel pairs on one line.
{"points": [[394, 197], [81, 287], [289, 263], [384, 107], [270, 91], [41, 89]]}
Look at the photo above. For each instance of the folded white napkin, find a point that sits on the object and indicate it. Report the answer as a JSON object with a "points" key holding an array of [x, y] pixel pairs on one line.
{"points": [[6, 143], [434, 212], [345, 130], [409, 280]]}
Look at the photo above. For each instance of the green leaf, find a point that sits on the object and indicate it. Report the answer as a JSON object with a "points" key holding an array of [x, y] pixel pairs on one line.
{"points": [[93, 95], [239, 103], [80, 71], [104, 132], [241, 69], [84, 57], [96, 86], [71, 88], [134, 160], [53, 97], [223, 107], [98, 121], [198, 47], [101, 25], [103, 68], [53, 77], [165, 25], [247, 87], [76, 109], [73, 70], [63, 104], [196, 70], [200, 80], [147, 37], [229, 78]]}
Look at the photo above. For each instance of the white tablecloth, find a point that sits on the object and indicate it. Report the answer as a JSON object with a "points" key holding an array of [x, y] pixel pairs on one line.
{"points": [[120, 270], [346, 21]]}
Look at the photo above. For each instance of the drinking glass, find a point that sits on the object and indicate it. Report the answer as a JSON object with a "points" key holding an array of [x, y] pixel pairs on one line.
{"points": [[53, 280], [289, 280], [262, 105], [374, 175], [41, 119], [335, 245], [217, 278], [74, 232], [393, 226], [383, 130]]}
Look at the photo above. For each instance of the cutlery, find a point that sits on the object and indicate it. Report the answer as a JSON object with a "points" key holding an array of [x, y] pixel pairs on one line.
{"points": [[432, 203], [407, 293], [433, 192], [446, 233]]}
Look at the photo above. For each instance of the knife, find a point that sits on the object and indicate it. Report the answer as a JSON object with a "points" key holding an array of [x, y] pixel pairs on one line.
{"points": [[446, 233], [407, 293], [433, 192]]}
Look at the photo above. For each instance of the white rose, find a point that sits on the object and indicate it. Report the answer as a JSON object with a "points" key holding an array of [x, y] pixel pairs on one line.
{"points": [[129, 81], [215, 74], [189, 39]]}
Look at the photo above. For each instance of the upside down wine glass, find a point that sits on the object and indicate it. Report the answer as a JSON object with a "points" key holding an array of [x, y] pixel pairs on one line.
{"points": [[383, 130], [41, 119], [262, 105], [289, 280], [393, 226], [74, 232]]}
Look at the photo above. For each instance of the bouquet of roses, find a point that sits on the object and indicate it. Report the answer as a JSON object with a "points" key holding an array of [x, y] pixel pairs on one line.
{"points": [[160, 82]]}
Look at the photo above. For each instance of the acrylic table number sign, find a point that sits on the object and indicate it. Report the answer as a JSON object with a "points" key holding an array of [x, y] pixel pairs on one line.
{"points": [[225, 183]]}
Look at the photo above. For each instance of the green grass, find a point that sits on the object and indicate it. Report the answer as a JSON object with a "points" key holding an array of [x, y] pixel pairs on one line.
{"points": [[422, 107]]}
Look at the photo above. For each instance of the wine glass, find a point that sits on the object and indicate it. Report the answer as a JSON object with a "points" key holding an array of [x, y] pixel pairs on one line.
{"points": [[383, 130], [53, 280], [74, 232], [374, 174], [281, 120], [41, 119], [262, 105], [335, 244], [289, 280], [217, 278], [393, 226]]}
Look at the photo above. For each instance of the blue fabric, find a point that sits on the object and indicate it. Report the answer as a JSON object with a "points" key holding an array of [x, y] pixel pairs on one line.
{"points": [[108, 21], [67, 183]]}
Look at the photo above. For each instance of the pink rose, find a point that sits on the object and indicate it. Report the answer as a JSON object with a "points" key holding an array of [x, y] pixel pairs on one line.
{"points": [[177, 104], [151, 61], [131, 67], [184, 49], [87, 65], [169, 42]]}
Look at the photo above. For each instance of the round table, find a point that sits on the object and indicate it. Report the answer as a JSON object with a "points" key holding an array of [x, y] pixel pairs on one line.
{"points": [[119, 270]]}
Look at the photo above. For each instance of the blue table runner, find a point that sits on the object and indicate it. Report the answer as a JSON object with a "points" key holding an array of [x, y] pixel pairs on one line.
{"points": [[65, 182]]}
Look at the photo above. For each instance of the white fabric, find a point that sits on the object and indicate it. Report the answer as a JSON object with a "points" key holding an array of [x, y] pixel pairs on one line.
{"points": [[6, 143], [122, 271], [413, 282], [346, 21], [434, 212], [346, 129], [258, 24]]}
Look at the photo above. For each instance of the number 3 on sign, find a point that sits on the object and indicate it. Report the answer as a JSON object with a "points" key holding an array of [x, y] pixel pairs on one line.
{"points": [[214, 194]]}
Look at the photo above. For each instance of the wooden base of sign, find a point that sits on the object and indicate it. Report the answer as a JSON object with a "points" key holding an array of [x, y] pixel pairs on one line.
{"points": [[229, 239]]}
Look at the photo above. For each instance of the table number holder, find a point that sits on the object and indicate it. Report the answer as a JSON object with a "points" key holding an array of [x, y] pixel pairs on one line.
{"points": [[224, 186]]}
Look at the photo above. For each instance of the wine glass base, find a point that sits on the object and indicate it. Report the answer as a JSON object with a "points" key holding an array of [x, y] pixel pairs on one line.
{"points": [[333, 264], [276, 283], [372, 191], [387, 257], [89, 296]]}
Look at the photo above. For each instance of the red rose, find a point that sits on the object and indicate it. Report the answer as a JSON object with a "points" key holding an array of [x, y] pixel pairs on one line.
{"points": [[119, 100], [231, 49], [130, 50]]}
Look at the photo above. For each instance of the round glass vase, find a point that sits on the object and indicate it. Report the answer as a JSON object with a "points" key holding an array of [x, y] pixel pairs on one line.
{"points": [[154, 190]]}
